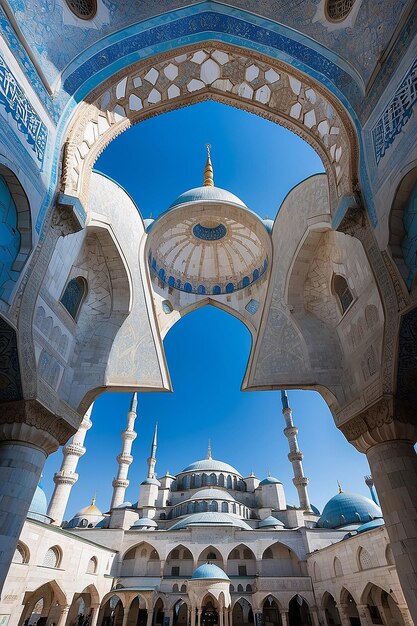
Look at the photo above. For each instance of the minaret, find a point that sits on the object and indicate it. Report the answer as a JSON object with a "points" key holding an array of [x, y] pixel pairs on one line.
{"points": [[369, 482], [208, 170], [152, 458], [295, 456], [67, 476], [124, 459]]}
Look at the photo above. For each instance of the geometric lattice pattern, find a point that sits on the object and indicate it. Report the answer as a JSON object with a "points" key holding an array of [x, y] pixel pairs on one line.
{"points": [[339, 9], [84, 9]]}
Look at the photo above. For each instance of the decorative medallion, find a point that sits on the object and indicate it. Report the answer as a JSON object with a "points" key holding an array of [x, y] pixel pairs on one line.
{"points": [[338, 10], [84, 9], [207, 233]]}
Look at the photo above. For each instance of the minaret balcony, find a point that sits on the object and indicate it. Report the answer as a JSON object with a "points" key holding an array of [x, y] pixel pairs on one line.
{"points": [[74, 450], [291, 431], [295, 456], [300, 480], [119, 482], [63, 478], [129, 435], [124, 459]]}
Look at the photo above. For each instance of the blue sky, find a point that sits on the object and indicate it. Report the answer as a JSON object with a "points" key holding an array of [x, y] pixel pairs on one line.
{"points": [[207, 351]]}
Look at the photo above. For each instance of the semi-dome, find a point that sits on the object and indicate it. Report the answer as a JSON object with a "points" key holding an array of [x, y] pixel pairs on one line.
{"points": [[143, 523], [270, 522], [270, 480], [208, 243], [211, 519], [210, 493], [210, 570], [375, 523], [348, 508], [210, 465]]}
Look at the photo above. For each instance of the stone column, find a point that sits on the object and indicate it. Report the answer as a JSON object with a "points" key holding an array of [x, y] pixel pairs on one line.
{"points": [[394, 469], [95, 610], [28, 434], [198, 621], [284, 618], [221, 617], [126, 610], [344, 618], [405, 614], [63, 616], [170, 614], [364, 615], [192, 616], [150, 618], [314, 616]]}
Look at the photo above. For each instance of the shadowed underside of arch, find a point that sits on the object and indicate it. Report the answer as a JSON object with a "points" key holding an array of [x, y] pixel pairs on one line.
{"points": [[217, 71]]}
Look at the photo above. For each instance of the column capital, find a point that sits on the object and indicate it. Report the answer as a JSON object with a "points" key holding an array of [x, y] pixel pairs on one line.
{"points": [[385, 420], [31, 423]]}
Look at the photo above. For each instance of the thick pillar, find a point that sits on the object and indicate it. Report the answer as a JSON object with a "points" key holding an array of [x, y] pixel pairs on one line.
{"points": [[284, 618], [63, 616], [95, 610], [67, 476], [364, 615], [170, 614], [149, 619], [344, 618], [394, 470], [126, 611], [192, 616], [28, 434], [405, 614], [314, 616]]}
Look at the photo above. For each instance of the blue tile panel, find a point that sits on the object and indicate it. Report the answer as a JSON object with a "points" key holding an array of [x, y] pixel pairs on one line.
{"points": [[209, 234], [409, 244], [252, 306], [9, 241], [15, 102], [396, 114]]}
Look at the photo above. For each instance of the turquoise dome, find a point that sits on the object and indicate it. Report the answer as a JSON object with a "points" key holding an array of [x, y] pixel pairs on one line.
{"points": [[207, 193], [270, 522], [209, 570], [210, 518], [144, 522], [270, 480], [348, 508], [210, 465], [39, 504]]}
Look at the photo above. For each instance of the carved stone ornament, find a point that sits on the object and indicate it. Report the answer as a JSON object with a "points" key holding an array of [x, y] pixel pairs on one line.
{"points": [[386, 420], [31, 423], [64, 220]]}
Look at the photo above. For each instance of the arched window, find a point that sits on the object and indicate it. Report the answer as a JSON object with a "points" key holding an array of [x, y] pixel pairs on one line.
{"points": [[187, 287], [245, 281], [183, 588], [74, 295], [342, 291], [229, 482], [52, 557], [154, 556], [175, 554], [365, 559], [221, 480], [268, 554], [212, 479], [249, 588], [92, 565], [389, 556], [247, 554], [201, 290], [21, 554], [338, 570], [175, 588], [317, 573], [211, 556], [230, 288], [225, 507], [338, 10]]}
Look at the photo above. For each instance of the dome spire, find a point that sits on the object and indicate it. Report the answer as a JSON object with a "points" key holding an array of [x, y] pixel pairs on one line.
{"points": [[208, 170], [209, 457], [340, 487]]}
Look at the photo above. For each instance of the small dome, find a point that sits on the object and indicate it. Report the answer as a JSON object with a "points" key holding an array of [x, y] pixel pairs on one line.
{"points": [[151, 481], [375, 523], [210, 465], [124, 505], [211, 519], [144, 522], [270, 480], [315, 509], [348, 508], [91, 509], [269, 225], [209, 570], [270, 522], [148, 223], [207, 194], [39, 504]]}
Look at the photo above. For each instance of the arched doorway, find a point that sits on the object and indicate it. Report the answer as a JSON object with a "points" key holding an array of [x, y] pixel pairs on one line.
{"points": [[350, 608], [180, 613], [43, 605], [330, 610], [242, 614], [298, 612], [270, 612], [382, 607], [138, 614], [158, 613], [111, 613], [209, 612]]}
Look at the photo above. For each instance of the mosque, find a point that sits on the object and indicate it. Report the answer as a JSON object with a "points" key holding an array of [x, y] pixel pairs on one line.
{"points": [[89, 289], [204, 547]]}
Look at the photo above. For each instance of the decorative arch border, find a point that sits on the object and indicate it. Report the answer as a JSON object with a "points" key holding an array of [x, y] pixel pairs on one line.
{"points": [[228, 74]]}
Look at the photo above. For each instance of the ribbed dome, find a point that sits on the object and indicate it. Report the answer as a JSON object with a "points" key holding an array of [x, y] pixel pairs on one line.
{"points": [[207, 194], [348, 508], [209, 570], [210, 465], [211, 519], [39, 504]]}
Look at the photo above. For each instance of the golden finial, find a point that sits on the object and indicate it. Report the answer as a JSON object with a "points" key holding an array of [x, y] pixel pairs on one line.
{"points": [[208, 170], [93, 501], [209, 450], [340, 487]]}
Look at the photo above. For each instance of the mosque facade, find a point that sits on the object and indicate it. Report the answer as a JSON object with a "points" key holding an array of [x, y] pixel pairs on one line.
{"points": [[204, 547], [89, 288]]}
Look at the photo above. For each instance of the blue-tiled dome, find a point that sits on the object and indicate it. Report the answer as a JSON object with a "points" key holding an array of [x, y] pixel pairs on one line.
{"points": [[370, 525], [151, 481], [210, 465], [211, 519], [209, 570], [207, 194], [348, 508], [39, 504], [270, 522], [270, 480], [315, 509]]}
